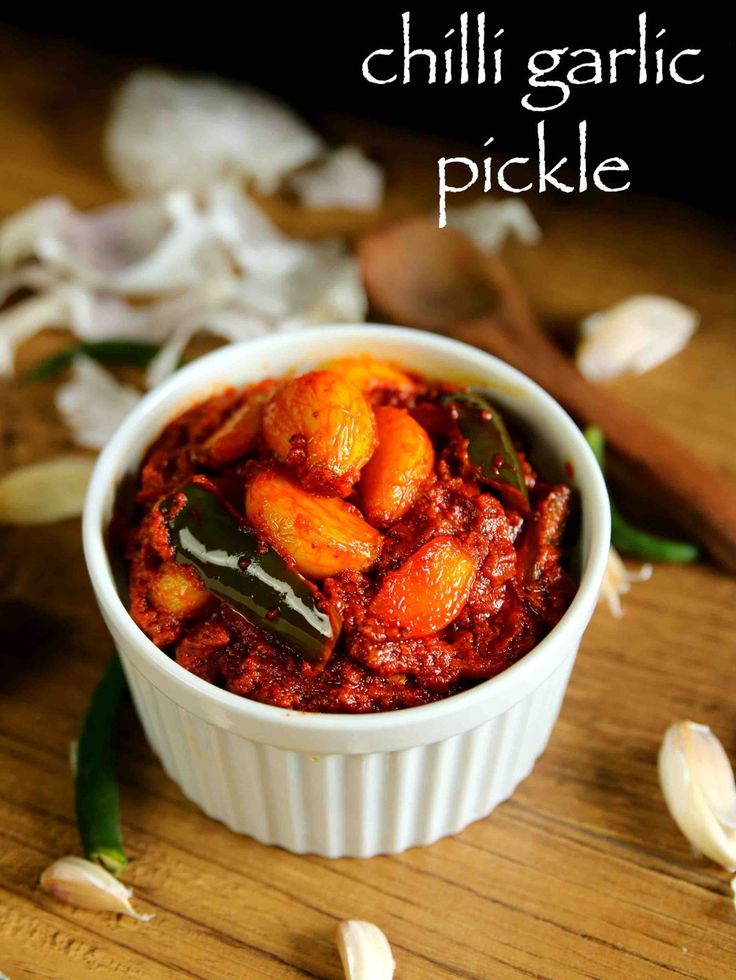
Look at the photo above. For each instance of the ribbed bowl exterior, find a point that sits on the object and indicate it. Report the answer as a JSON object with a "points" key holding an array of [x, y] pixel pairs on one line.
{"points": [[349, 805]]}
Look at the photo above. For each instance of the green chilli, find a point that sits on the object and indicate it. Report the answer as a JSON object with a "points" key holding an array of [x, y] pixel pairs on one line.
{"points": [[96, 785], [112, 351], [629, 539], [253, 579], [490, 447]]}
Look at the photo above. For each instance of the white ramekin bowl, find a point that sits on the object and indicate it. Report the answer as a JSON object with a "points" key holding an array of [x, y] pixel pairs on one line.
{"points": [[356, 785]]}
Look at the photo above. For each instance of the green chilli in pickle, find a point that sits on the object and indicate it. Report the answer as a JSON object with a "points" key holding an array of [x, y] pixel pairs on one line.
{"points": [[236, 566], [490, 447]]}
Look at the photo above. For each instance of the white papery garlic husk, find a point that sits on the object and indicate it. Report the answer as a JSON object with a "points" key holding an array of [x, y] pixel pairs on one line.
{"points": [[617, 581], [489, 223], [137, 248], [168, 131], [32, 276], [698, 786], [229, 324], [86, 885], [93, 403], [344, 178], [58, 307], [93, 316], [19, 233], [45, 492], [633, 336], [365, 952]]}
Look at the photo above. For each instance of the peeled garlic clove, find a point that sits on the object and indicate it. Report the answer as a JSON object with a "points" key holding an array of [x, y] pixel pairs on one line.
{"points": [[86, 885], [364, 951], [716, 775], [45, 492], [633, 336], [617, 582], [698, 786]]}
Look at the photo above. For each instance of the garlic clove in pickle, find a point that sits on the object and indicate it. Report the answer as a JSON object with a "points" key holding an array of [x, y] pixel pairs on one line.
{"points": [[365, 952], [698, 786], [86, 885]]}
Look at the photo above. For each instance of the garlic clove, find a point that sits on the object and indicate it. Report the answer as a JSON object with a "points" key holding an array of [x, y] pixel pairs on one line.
{"points": [[633, 336], [42, 493], [364, 951], [617, 582], [86, 885], [716, 775], [698, 786]]}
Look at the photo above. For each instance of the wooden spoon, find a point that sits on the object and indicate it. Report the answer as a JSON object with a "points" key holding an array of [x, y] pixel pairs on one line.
{"points": [[419, 275]]}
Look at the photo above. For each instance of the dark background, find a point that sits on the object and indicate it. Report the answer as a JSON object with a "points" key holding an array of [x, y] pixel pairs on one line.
{"points": [[677, 139]]}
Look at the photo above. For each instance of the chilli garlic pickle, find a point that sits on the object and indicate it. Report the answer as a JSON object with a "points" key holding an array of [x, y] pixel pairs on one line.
{"points": [[354, 539]]}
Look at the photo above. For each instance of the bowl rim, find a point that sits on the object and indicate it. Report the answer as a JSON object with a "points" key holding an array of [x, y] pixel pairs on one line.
{"points": [[286, 723]]}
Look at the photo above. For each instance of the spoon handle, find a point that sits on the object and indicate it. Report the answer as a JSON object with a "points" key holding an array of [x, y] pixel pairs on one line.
{"points": [[696, 496]]}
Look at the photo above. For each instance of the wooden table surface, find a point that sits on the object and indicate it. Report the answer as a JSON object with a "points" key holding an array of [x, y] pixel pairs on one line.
{"points": [[582, 873]]}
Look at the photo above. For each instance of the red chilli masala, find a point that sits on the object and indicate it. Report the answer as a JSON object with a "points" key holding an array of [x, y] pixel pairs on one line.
{"points": [[355, 539]]}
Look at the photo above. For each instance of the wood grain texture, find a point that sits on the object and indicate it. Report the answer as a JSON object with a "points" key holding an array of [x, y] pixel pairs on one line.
{"points": [[582, 873]]}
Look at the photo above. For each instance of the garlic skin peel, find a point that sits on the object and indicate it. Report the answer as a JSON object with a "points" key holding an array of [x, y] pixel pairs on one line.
{"points": [[698, 786], [364, 951], [617, 582], [171, 131], [86, 885], [344, 178], [93, 403], [489, 223]]}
